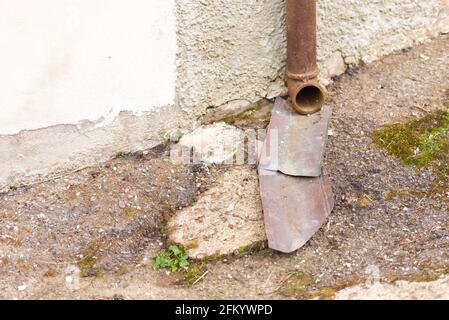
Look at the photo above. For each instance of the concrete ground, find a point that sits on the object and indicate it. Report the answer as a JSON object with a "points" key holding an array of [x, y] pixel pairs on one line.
{"points": [[92, 234]]}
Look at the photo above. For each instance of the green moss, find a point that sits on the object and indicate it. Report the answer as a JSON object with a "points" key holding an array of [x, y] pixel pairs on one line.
{"points": [[297, 284], [121, 270], [424, 277], [121, 154], [404, 193], [213, 257], [418, 142], [422, 143], [132, 212], [87, 266], [329, 293], [251, 248], [88, 263], [254, 247]]}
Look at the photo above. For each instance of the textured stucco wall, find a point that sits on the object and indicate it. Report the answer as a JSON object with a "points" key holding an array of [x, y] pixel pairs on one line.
{"points": [[232, 52]]}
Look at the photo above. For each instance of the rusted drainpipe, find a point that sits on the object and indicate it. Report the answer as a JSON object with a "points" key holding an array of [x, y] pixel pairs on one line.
{"points": [[306, 93]]}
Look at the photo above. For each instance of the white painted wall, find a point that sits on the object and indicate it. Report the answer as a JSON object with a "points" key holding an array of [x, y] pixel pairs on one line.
{"points": [[62, 61]]}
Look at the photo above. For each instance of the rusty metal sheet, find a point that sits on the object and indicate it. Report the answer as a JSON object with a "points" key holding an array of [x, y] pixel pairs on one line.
{"points": [[295, 208], [295, 143]]}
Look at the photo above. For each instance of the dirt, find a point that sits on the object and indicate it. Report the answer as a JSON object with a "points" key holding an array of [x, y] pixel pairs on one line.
{"points": [[92, 234], [102, 220]]}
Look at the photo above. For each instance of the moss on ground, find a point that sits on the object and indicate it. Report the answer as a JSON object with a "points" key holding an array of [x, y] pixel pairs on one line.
{"points": [[297, 284], [404, 193], [121, 270], [131, 213], [252, 248], [121, 154], [88, 264], [249, 249], [422, 143], [329, 293], [421, 277]]}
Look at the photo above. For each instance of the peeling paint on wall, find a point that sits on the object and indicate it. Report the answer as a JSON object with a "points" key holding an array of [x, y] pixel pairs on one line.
{"points": [[64, 61]]}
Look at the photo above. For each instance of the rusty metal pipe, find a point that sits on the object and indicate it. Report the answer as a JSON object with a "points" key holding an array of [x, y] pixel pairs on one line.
{"points": [[306, 93]]}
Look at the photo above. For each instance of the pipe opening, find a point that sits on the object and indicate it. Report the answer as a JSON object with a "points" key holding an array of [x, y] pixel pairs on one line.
{"points": [[309, 99]]}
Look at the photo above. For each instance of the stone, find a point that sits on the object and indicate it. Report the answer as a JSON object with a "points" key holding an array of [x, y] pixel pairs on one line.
{"points": [[227, 111], [442, 23], [277, 88], [227, 218], [335, 65], [400, 290], [214, 144]]}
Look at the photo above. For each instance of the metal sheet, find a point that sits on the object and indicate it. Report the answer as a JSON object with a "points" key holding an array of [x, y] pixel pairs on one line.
{"points": [[295, 143], [295, 208]]}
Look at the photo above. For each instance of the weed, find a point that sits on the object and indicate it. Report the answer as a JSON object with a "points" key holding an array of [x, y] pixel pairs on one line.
{"points": [[174, 258]]}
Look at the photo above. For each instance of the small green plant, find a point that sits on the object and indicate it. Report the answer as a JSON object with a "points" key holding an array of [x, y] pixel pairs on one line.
{"points": [[174, 258]]}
